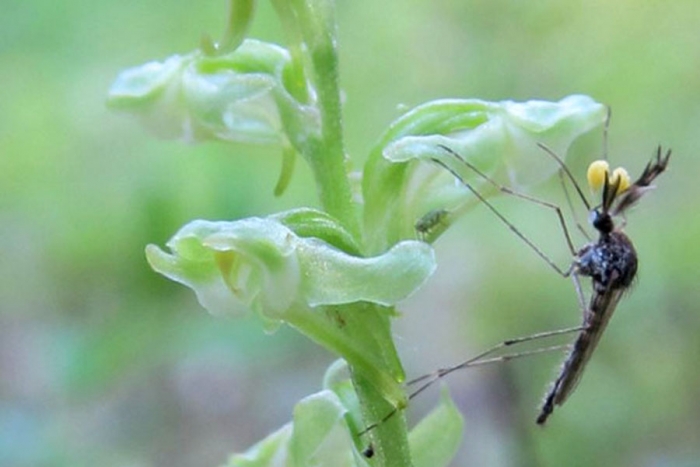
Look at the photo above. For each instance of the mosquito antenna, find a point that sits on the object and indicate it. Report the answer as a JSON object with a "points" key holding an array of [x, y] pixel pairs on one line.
{"points": [[568, 174]]}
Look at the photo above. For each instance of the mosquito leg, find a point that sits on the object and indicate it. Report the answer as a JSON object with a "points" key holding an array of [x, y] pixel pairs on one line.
{"points": [[579, 226], [508, 191], [479, 360], [509, 224], [579, 293], [436, 375], [568, 173], [512, 356]]}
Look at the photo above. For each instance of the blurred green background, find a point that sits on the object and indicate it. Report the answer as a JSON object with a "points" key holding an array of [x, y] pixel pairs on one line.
{"points": [[103, 362]]}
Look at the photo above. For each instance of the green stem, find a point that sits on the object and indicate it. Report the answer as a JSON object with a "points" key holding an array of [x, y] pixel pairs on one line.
{"points": [[325, 332], [390, 439], [313, 23], [327, 159], [377, 388]]}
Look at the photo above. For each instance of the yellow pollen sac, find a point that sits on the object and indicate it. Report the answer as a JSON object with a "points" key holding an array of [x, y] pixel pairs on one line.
{"points": [[624, 178], [596, 176]]}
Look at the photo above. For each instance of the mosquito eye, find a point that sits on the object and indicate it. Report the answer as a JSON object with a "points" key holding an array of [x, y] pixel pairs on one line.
{"points": [[596, 176], [593, 216]]}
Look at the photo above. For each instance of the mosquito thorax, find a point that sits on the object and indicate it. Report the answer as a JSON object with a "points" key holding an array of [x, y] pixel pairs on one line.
{"points": [[611, 262]]}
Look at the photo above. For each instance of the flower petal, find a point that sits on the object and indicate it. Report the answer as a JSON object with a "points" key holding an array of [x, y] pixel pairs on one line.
{"points": [[240, 96], [264, 265], [333, 277]]}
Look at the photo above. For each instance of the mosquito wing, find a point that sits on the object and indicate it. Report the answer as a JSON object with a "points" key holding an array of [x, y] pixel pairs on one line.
{"points": [[601, 309]]}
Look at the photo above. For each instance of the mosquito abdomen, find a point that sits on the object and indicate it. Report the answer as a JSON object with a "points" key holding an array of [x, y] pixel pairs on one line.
{"points": [[601, 310]]}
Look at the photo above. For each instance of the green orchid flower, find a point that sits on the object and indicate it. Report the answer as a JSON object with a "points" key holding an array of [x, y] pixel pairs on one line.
{"points": [[263, 265], [403, 185]]}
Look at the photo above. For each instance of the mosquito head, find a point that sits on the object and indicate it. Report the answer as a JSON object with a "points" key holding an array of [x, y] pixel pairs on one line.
{"points": [[610, 185], [601, 221], [617, 192]]}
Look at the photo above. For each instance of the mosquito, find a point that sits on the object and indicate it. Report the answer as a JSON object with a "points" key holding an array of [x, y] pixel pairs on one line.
{"points": [[610, 261]]}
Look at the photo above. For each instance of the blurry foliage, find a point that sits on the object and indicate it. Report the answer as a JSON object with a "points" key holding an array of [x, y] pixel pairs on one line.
{"points": [[102, 362]]}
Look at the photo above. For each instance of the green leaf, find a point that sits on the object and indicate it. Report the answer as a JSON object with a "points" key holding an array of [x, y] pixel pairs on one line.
{"points": [[435, 440], [269, 452], [321, 435], [318, 435], [337, 379]]}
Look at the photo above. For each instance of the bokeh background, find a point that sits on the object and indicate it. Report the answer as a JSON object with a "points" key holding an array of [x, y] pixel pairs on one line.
{"points": [[103, 362]]}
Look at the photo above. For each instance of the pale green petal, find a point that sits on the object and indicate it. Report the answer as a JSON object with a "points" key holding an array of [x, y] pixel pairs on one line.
{"points": [[238, 96], [507, 136], [333, 277], [263, 265], [233, 266], [500, 139], [153, 93], [232, 106], [142, 84]]}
